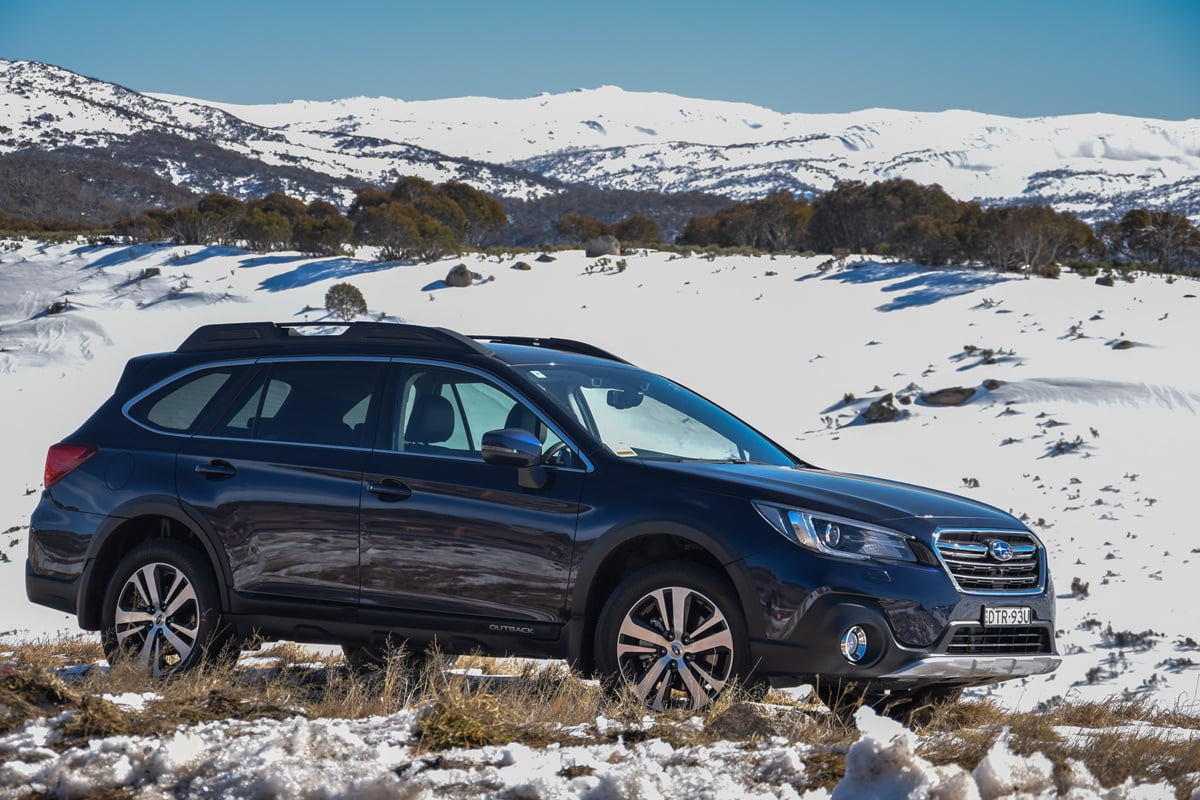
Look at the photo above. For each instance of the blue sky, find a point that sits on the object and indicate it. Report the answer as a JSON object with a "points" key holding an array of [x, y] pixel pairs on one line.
{"points": [[1016, 57]]}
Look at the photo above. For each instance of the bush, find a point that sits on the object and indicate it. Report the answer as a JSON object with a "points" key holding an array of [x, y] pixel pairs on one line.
{"points": [[1050, 270], [345, 301]]}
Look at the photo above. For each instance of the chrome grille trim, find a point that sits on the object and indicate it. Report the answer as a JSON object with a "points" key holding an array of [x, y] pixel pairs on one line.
{"points": [[965, 555]]}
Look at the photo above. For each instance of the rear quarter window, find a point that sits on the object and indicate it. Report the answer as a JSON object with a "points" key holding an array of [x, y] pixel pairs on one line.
{"points": [[177, 406]]}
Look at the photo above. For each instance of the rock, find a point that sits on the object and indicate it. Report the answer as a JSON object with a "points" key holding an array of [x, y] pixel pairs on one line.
{"points": [[522, 265], [953, 396], [546, 258], [991, 384], [603, 246], [460, 275], [149, 272], [1124, 344], [1105, 280], [58, 306], [882, 410]]}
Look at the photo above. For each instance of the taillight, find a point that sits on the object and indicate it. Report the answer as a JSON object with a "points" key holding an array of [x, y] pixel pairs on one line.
{"points": [[62, 460]]}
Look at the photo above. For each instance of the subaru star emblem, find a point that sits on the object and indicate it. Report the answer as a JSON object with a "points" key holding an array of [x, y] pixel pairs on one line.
{"points": [[1000, 550]]}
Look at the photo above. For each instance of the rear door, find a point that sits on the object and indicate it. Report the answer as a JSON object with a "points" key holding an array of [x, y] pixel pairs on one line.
{"points": [[278, 477]]}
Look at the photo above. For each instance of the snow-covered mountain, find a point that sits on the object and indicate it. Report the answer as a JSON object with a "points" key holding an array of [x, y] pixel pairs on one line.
{"points": [[1096, 165], [205, 148]]}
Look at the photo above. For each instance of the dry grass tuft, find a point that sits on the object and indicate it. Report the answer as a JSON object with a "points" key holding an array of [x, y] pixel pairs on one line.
{"points": [[51, 653], [31, 692]]}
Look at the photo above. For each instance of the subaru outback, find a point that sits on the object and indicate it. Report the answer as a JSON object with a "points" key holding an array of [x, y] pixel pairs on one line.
{"points": [[396, 484]]}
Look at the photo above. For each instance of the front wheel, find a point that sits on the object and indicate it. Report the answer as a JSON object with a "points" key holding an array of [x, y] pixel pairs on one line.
{"points": [[161, 610], [674, 634]]}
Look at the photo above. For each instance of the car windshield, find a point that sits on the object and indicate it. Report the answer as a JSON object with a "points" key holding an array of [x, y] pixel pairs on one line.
{"points": [[638, 414]]}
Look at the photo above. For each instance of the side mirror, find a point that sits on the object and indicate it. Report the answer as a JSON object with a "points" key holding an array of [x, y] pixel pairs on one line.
{"points": [[514, 447], [511, 447]]}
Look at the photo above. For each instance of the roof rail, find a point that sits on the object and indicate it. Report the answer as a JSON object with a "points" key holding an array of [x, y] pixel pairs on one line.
{"points": [[248, 335], [553, 343]]}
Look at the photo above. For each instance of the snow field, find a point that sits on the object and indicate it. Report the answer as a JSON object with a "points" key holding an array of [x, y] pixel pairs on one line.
{"points": [[1091, 444]]}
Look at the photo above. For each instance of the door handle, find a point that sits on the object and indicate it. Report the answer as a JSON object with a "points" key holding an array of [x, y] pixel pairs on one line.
{"points": [[390, 491], [217, 470]]}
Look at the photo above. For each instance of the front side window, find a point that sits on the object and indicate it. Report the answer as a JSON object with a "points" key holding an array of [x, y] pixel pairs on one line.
{"points": [[445, 412], [306, 402], [637, 414]]}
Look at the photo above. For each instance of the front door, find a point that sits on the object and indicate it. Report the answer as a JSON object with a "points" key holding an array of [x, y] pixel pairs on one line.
{"points": [[445, 533]]}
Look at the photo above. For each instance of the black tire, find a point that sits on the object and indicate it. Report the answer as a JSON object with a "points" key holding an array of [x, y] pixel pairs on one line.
{"points": [[369, 658], [911, 707], [161, 609], [635, 645]]}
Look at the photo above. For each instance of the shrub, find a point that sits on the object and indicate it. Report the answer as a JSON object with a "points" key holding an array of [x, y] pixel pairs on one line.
{"points": [[1050, 270], [345, 301]]}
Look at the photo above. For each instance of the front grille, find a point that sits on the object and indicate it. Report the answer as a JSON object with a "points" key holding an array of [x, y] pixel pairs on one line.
{"points": [[970, 557], [1021, 640]]}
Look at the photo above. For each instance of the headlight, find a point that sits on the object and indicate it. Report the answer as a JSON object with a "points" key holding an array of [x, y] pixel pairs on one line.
{"points": [[836, 536]]}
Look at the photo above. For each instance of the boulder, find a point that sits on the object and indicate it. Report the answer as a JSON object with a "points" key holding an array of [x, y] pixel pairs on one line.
{"points": [[882, 410], [603, 246], [460, 275], [149, 272], [522, 265], [546, 258], [953, 396], [58, 306], [1105, 280], [991, 384]]}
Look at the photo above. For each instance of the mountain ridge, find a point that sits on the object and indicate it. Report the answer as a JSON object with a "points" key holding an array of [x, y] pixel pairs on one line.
{"points": [[1096, 165]]}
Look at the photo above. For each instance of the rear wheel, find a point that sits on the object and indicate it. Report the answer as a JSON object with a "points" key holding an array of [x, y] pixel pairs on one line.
{"points": [[161, 610], [674, 634]]}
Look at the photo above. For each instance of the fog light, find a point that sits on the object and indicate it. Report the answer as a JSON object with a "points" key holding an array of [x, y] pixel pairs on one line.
{"points": [[854, 644]]}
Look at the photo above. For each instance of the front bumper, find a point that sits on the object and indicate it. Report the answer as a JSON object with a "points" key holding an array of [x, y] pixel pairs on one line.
{"points": [[921, 630], [969, 670]]}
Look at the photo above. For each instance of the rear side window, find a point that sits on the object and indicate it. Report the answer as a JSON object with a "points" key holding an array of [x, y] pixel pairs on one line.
{"points": [[178, 406], [306, 402]]}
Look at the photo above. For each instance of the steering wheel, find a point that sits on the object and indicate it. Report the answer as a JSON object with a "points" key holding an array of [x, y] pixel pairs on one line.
{"points": [[552, 453]]}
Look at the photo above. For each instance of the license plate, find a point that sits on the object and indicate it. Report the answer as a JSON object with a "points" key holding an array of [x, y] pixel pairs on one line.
{"points": [[1007, 615]]}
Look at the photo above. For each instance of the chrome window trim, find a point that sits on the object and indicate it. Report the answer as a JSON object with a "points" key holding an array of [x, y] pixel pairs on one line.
{"points": [[207, 438], [1041, 564], [589, 466]]}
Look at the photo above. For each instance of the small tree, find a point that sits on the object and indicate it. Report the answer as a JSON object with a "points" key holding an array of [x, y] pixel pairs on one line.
{"points": [[345, 301], [637, 230]]}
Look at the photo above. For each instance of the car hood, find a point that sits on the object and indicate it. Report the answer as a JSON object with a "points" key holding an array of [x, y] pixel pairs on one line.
{"points": [[860, 497]]}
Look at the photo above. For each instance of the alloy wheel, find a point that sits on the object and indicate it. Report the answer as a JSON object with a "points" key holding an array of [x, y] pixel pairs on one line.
{"points": [[157, 618], [675, 649]]}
